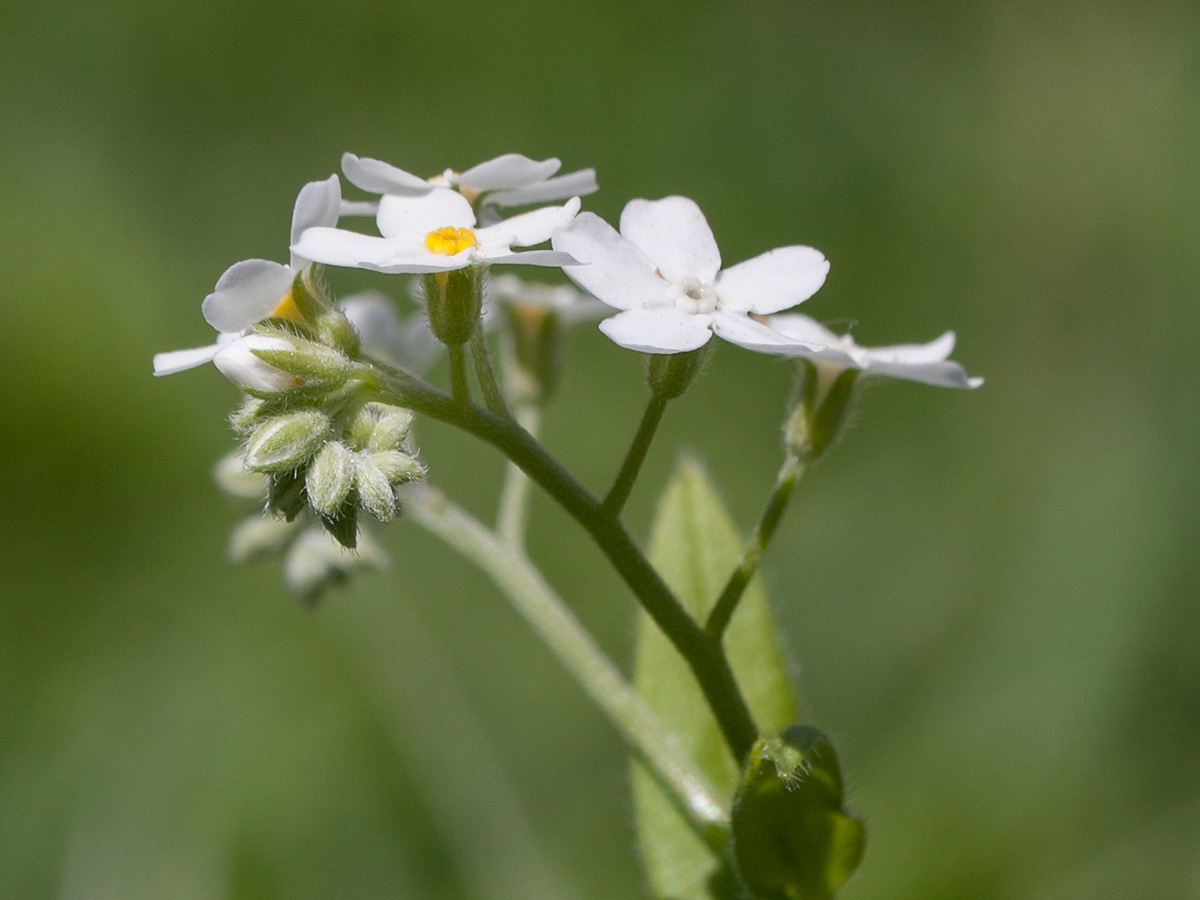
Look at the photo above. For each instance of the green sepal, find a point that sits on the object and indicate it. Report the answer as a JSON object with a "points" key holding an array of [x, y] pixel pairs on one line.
{"points": [[792, 838], [831, 415], [343, 525], [285, 493], [670, 374], [310, 360], [454, 302]]}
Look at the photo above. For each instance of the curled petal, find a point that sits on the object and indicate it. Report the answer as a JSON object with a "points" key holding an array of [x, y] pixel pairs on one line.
{"points": [[740, 329], [317, 204], [419, 215], [508, 171], [378, 177], [180, 360], [663, 329], [674, 233], [573, 184], [936, 350], [613, 269], [775, 280], [939, 374], [246, 293]]}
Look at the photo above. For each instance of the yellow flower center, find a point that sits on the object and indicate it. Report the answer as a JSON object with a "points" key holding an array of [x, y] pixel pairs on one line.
{"points": [[287, 309], [450, 240]]}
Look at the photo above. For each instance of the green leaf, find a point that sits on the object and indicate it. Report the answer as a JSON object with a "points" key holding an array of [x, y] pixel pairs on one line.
{"points": [[695, 547]]}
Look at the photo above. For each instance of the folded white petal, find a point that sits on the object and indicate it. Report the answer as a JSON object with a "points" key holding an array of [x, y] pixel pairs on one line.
{"points": [[613, 269], [674, 233], [317, 204], [803, 329], [421, 214], [500, 256], [573, 184], [658, 330], [940, 374], [812, 340], [508, 171], [914, 354], [740, 329], [237, 362], [775, 280], [528, 228], [378, 177], [246, 293], [338, 247], [179, 360]]}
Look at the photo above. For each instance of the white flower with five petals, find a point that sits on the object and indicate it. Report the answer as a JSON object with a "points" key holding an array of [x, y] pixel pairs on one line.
{"points": [[663, 270], [508, 180], [927, 363], [436, 232], [253, 290]]}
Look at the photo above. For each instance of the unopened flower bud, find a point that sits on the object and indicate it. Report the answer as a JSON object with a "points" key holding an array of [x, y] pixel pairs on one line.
{"points": [[330, 478], [287, 442], [454, 301], [669, 374], [397, 466], [375, 491], [391, 430], [237, 362]]}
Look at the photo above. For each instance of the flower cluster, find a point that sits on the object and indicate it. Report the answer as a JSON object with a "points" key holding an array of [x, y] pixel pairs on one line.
{"points": [[312, 427]]}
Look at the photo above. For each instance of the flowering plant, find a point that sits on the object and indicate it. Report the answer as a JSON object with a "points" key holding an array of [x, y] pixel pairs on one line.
{"points": [[733, 798]]}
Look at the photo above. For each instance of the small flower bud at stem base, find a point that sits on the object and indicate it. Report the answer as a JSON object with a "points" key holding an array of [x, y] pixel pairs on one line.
{"points": [[454, 301], [287, 442], [330, 478]]}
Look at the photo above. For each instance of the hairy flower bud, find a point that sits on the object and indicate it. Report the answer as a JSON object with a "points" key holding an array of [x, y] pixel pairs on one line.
{"points": [[375, 491], [286, 442], [397, 466], [237, 362], [330, 478]]}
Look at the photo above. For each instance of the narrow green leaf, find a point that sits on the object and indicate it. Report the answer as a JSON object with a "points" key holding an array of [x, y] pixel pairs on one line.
{"points": [[695, 546]]}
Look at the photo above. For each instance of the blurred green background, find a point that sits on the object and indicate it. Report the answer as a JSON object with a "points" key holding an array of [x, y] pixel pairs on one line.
{"points": [[989, 599]]}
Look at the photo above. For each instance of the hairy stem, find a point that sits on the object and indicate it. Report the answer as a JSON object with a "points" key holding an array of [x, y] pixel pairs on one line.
{"points": [[702, 653], [722, 611], [619, 492], [567, 639]]}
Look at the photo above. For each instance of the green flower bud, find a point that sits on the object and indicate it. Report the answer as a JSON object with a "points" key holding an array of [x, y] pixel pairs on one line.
{"points": [[792, 839], [259, 538], [304, 359], [397, 466], [391, 430], [454, 301], [375, 491], [816, 422], [330, 478], [287, 442]]}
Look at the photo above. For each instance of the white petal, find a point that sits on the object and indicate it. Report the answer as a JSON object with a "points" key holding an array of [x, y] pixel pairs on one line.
{"points": [[775, 280], [419, 215], [246, 293], [338, 247], [658, 330], [674, 233], [318, 203], [940, 374], [179, 360], [740, 329], [359, 208], [803, 329], [507, 171], [237, 362], [528, 228], [913, 354], [614, 270], [528, 258], [573, 184], [378, 177]]}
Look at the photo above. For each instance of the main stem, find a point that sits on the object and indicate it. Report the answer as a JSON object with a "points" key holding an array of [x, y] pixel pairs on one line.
{"points": [[619, 492], [702, 653], [567, 639], [722, 611]]}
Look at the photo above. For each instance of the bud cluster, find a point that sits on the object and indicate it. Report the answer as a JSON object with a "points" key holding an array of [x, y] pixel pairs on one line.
{"points": [[334, 457]]}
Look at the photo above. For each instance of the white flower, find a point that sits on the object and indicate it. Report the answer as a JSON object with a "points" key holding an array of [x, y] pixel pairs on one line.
{"points": [[435, 232], [256, 289], [926, 363], [664, 271], [509, 180]]}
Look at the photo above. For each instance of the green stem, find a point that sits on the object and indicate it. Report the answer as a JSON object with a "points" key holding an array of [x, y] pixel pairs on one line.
{"points": [[619, 492], [514, 496], [567, 639], [493, 397], [703, 655], [722, 611], [460, 389]]}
